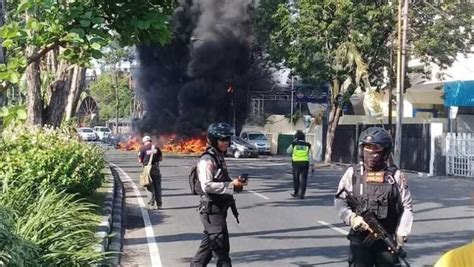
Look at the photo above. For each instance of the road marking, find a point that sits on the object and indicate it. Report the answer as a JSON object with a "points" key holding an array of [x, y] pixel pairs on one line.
{"points": [[258, 194], [150, 234], [335, 228]]}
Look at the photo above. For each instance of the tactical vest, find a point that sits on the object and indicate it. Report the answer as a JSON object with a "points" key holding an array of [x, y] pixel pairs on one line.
{"points": [[300, 151], [380, 195], [220, 175]]}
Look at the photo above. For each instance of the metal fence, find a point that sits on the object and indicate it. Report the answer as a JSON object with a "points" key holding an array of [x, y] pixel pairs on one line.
{"points": [[415, 149], [460, 154]]}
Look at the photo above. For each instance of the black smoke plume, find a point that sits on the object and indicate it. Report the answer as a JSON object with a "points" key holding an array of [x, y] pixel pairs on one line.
{"points": [[193, 81]]}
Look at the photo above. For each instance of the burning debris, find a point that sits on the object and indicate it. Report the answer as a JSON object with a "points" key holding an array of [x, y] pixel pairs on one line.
{"points": [[132, 144], [189, 146], [184, 85], [169, 144]]}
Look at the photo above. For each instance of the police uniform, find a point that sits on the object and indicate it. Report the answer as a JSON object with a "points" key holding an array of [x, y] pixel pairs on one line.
{"points": [[386, 193], [218, 189], [301, 159]]}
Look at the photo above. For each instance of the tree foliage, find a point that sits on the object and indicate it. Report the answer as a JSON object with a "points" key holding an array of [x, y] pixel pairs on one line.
{"points": [[72, 32], [103, 91], [346, 42], [82, 28], [306, 34]]}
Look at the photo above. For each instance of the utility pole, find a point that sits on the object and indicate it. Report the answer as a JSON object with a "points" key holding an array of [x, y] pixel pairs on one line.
{"points": [[292, 94], [401, 59]]}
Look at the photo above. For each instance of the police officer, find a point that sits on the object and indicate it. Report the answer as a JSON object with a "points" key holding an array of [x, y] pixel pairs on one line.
{"points": [[218, 191], [384, 190], [144, 157], [301, 160]]}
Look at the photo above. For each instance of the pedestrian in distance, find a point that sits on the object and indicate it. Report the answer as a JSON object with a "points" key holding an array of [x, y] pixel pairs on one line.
{"points": [[382, 192], [146, 151], [301, 161], [216, 191]]}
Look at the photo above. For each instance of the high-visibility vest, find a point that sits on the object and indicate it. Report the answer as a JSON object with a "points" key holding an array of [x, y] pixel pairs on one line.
{"points": [[300, 152], [458, 257]]}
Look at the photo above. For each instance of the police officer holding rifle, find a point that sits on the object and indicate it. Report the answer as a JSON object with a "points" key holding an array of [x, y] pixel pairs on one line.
{"points": [[374, 199]]}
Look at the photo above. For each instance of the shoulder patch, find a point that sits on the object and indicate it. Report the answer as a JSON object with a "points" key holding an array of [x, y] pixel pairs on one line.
{"points": [[403, 181]]}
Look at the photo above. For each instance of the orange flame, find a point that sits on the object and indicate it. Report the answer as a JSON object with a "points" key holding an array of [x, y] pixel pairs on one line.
{"points": [[132, 144], [194, 145]]}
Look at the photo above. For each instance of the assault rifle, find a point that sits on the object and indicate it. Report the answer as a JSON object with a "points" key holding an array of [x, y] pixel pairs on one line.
{"points": [[243, 178], [233, 208], [377, 231]]}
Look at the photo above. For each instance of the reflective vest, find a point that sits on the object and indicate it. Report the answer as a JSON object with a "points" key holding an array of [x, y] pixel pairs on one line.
{"points": [[300, 151]]}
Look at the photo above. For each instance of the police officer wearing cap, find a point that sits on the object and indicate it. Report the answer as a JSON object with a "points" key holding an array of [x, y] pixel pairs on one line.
{"points": [[218, 190], [144, 157], [384, 190], [301, 161]]}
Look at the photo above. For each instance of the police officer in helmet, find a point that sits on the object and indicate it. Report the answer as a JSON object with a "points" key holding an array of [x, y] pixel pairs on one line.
{"points": [[218, 189], [384, 190], [301, 161]]}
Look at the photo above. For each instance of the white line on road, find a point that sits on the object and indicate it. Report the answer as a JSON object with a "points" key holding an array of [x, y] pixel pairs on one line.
{"points": [[258, 194], [335, 228], [150, 234]]}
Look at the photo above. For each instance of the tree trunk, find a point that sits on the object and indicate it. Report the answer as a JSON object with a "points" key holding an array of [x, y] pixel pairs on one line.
{"points": [[58, 92], [333, 120], [332, 125], [77, 86], [33, 85]]}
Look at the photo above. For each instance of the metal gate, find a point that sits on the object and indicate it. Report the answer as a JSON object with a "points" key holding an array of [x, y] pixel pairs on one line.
{"points": [[460, 154]]}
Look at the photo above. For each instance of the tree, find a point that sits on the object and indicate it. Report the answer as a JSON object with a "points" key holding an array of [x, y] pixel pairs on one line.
{"points": [[106, 91], [46, 38], [315, 37]]}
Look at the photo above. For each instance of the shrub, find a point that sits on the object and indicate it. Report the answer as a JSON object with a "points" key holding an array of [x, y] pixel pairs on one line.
{"points": [[49, 159], [14, 251], [57, 227]]}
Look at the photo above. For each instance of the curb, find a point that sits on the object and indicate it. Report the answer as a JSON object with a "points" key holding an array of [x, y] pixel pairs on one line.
{"points": [[109, 231]]}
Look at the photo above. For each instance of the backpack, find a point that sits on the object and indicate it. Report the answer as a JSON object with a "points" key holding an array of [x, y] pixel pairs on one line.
{"points": [[194, 183]]}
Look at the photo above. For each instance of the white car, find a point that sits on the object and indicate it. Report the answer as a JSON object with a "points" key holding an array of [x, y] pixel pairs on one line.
{"points": [[102, 132], [87, 134]]}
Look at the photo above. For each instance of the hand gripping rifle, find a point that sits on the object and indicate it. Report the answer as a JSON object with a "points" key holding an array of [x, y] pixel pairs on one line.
{"points": [[377, 231]]}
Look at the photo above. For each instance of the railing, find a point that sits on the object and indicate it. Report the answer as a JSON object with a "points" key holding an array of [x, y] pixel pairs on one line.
{"points": [[460, 154]]}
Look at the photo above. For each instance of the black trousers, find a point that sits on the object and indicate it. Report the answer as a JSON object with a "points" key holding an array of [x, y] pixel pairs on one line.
{"points": [[215, 242], [155, 187], [300, 178], [377, 255]]}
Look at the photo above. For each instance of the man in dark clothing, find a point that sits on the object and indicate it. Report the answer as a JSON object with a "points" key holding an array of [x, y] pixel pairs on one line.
{"points": [[144, 157], [384, 190], [218, 189], [301, 160]]}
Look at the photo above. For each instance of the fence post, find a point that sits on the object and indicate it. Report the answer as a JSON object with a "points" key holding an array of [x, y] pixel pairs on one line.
{"points": [[436, 154], [448, 153]]}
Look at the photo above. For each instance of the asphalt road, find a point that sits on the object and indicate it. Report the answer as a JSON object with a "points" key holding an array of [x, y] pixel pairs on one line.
{"points": [[275, 229]]}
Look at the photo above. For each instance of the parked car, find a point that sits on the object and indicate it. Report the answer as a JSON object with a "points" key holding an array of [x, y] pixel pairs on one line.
{"points": [[258, 139], [240, 148], [87, 134], [115, 139], [102, 132]]}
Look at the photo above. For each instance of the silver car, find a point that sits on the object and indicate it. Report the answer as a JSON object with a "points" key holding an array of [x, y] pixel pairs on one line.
{"points": [[258, 139], [240, 148]]}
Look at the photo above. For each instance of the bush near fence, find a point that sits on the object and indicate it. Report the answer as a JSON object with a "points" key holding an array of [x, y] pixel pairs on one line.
{"points": [[44, 173]]}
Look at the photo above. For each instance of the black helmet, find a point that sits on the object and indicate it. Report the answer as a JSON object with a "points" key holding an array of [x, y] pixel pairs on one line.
{"points": [[216, 131], [378, 136], [299, 135]]}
